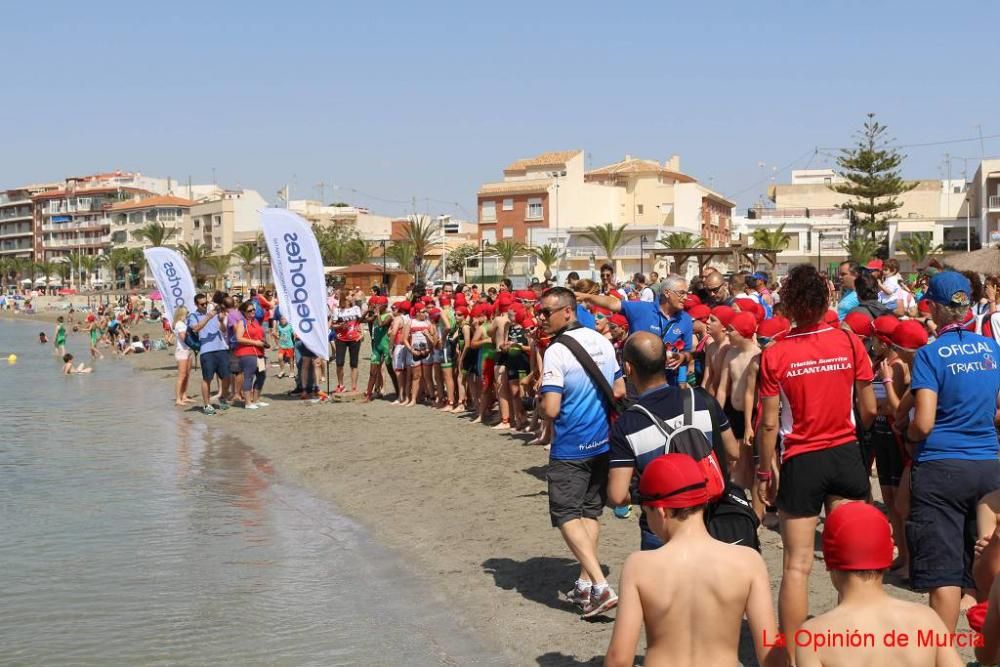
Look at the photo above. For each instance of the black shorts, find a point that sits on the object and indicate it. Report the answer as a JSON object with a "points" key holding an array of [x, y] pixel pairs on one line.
{"points": [[737, 420], [516, 364], [888, 452], [500, 359], [808, 479], [215, 363], [941, 529], [470, 363], [578, 488]]}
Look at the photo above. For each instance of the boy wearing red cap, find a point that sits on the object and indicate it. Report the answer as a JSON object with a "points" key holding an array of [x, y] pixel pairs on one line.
{"points": [[692, 593], [866, 626], [737, 393]]}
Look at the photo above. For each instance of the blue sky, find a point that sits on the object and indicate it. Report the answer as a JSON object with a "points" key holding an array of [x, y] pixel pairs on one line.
{"points": [[397, 100]]}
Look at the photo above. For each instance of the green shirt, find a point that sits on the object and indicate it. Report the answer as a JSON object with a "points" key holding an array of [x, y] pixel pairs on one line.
{"points": [[285, 340]]}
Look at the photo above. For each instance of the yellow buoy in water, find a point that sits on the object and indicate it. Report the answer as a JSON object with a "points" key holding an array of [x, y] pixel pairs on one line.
{"points": [[12, 359]]}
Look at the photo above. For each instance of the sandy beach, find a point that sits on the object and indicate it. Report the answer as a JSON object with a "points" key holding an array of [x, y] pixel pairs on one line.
{"points": [[465, 507]]}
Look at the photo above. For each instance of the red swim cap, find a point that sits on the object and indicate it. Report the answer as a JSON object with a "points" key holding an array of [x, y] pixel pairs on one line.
{"points": [[832, 317], [700, 312], [883, 326], [691, 300], [674, 481], [619, 320], [774, 328], [745, 324], [857, 536], [724, 314], [859, 323], [909, 335]]}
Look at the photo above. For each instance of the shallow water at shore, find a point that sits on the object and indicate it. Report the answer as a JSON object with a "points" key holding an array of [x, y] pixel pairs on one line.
{"points": [[133, 536]]}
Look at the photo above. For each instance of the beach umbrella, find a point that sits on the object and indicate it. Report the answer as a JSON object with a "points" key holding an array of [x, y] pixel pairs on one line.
{"points": [[155, 295], [985, 261]]}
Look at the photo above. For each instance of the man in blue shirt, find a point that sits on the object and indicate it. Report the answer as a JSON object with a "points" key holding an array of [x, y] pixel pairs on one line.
{"points": [[666, 318], [577, 474], [214, 351], [849, 299], [953, 437]]}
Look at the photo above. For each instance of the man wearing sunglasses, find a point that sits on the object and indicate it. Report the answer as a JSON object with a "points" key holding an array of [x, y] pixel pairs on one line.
{"points": [[718, 292], [666, 318]]}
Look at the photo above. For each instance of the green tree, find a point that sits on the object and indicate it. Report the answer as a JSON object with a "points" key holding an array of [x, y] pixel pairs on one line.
{"points": [[359, 251], [608, 237], [861, 249], [770, 242], [918, 246], [115, 260], [246, 255], [195, 254], [156, 233], [88, 267], [402, 252], [872, 171], [681, 241], [18, 267], [135, 260], [549, 255], [507, 251], [218, 266], [335, 243], [458, 256], [5, 271], [47, 269], [421, 232]]}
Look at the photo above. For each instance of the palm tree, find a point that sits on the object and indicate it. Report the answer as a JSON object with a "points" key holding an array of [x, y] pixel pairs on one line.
{"points": [[75, 261], [47, 269], [195, 254], [88, 267], [507, 251], [115, 260], [918, 247], [549, 256], [861, 249], [421, 232], [771, 242], [607, 237], [403, 253], [155, 232], [218, 265], [357, 251], [18, 266], [246, 254], [681, 241], [136, 262], [5, 270]]}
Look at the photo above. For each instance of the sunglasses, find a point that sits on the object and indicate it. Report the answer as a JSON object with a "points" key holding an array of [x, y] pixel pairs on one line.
{"points": [[548, 311], [713, 290]]}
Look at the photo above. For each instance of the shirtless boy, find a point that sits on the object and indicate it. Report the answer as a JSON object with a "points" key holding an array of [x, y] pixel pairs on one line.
{"points": [[715, 351], [691, 594], [857, 548]]}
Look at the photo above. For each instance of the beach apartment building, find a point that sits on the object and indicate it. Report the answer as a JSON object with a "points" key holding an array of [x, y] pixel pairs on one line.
{"points": [[222, 222], [810, 210], [552, 199], [17, 221]]}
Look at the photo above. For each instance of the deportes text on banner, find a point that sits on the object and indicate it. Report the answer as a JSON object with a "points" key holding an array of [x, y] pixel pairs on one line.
{"points": [[297, 267], [173, 279]]}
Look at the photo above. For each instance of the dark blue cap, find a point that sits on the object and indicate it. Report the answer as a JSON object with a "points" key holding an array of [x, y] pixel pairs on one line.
{"points": [[949, 288]]}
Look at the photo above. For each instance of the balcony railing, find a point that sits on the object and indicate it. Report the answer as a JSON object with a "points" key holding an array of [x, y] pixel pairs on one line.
{"points": [[74, 226], [76, 243], [994, 203]]}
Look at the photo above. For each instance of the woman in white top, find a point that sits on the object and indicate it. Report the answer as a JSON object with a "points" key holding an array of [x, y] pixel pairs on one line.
{"points": [[183, 356], [346, 319]]}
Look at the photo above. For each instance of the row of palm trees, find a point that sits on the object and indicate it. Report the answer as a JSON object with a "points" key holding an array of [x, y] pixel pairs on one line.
{"points": [[85, 268]]}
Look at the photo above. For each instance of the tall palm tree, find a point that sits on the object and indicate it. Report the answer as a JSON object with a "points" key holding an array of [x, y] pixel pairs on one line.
{"points": [[134, 257], [195, 253], [75, 262], [918, 247], [18, 267], [421, 232], [507, 251], [155, 232], [116, 260], [549, 255], [5, 271], [681, 241], [861, 249], [357, 251], [88, 267], [218, 265], [608, 237], [246, 254], [403, 253], [47, 269], [771, 242]]}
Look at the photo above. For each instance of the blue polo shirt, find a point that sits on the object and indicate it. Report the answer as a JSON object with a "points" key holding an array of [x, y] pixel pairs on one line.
{"points": [[847, 303], [647, 316], [210, 336], [961, 368], [585, 317]]}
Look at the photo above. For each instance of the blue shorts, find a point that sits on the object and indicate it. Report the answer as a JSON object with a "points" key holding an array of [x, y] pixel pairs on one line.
{"points": [[215, 363], [941, 529]]}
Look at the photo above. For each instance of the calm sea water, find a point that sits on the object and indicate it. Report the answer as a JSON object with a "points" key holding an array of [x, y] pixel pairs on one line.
{"points": [[130, 536]]}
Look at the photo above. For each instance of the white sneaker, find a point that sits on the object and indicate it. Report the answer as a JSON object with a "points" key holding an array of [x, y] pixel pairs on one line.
{"points": [[251, 406], [262, 404]]}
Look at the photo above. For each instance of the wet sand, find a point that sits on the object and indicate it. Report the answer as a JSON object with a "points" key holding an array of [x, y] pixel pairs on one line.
{"points": [[464, 505]]}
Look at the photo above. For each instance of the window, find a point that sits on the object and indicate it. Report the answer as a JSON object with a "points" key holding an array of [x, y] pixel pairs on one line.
{"points": [[957, 189], [508, 232], [489, 211], [167, 214], [490, 236], [197, 223], [827, 181], [638, 209], [809, 241], [508, 204], [534, 209]]}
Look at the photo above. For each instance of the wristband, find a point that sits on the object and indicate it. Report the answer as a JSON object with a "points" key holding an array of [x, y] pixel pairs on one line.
{"points": [[764, 475]]}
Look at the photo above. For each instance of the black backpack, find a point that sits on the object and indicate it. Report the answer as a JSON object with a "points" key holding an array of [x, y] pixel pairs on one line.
{"points": [[191, 339]]}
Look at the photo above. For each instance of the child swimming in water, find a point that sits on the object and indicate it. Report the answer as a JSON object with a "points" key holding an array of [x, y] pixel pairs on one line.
{"points": [[68, 366]]}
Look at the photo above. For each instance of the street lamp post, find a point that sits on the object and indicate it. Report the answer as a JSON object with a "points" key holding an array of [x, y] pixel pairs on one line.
{"points": [[385, 283], [482, 263], [819, 259], [968, 224], [642, 252]]}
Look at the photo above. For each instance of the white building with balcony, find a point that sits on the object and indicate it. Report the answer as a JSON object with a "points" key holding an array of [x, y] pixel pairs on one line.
{"points": [[17, 221]]}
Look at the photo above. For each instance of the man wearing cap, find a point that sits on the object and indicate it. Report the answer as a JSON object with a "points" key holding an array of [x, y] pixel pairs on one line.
{"points": [[577, 473], [667, 319], [692, 593], [866, 626], [953, 440]]}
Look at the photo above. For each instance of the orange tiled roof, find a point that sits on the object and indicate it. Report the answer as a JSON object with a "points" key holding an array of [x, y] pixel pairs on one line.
{"points": [[550, 159], [153, 202], [635, 166], [530, 186]]}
